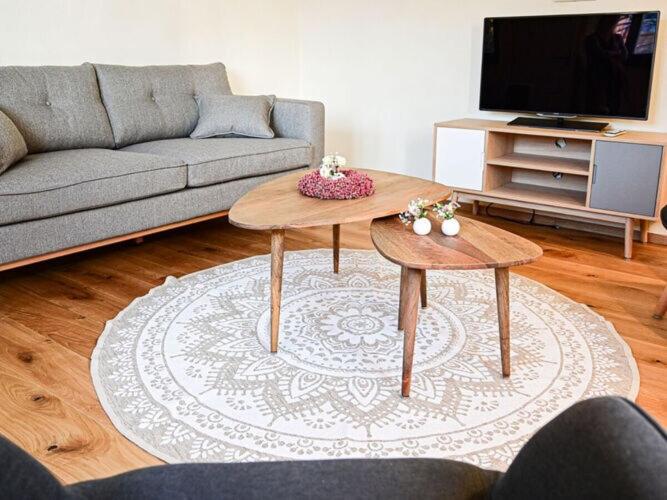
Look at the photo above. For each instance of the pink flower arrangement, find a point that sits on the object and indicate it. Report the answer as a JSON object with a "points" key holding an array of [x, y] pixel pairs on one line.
{"points": [[353, 185]]}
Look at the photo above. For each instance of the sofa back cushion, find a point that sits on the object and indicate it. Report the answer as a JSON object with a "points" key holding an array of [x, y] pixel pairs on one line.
{"points": [[147, 103], [55, 107]]}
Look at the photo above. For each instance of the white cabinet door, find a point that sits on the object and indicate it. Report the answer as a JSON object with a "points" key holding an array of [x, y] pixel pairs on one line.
{"points": [[459, 158]]}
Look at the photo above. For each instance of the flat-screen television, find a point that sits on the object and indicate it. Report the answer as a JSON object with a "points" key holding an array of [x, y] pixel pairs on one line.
{"points": [[581, 65]]}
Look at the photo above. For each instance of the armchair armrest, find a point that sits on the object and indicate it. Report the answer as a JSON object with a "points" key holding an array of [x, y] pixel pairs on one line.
{"points": [[304, 120]]}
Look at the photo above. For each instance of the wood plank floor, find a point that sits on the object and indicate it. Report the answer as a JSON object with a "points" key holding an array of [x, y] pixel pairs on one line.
{"points": [[51, 315]]}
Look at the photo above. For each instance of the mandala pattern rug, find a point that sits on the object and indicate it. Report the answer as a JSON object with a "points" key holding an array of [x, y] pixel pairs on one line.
{"points": [[185, 371]]}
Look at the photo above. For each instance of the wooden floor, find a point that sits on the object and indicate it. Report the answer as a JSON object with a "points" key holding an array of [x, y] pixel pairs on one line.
{"points": [[51, 315]]}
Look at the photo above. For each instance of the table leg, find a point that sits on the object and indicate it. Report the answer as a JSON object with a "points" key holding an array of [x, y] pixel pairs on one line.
{"points": [[423, 289], [277, 253], [503, 299], [401, 297], [336, 247], [411, 301]]}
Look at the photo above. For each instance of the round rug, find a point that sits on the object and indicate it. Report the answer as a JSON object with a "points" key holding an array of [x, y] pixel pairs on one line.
{"points": [[185, 371]]}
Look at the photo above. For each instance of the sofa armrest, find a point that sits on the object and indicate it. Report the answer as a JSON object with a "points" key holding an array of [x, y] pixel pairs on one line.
{"points": [[304, 120]]}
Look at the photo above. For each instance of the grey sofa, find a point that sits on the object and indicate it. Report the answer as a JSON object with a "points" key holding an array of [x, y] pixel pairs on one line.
{"points": [[110, 153]]}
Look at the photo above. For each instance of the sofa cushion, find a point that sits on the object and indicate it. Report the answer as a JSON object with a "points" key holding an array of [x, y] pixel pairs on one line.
{"points": [[12, 144], [59, 182], [220, 160], [146, 103], [234, 115], [55, 107]]}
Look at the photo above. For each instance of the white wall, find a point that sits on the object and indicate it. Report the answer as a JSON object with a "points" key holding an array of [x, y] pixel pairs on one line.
{"points": [[256, 40]]}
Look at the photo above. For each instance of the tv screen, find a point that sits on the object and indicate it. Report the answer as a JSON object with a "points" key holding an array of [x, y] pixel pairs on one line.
{"points": [[585, 65]]}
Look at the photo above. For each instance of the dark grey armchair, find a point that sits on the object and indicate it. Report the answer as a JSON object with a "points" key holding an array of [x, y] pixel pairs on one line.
{"points": [[604, 448]]}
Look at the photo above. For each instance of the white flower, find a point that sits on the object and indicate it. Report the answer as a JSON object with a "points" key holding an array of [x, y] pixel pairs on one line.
{"points": [[334, 161], [326, 171]]}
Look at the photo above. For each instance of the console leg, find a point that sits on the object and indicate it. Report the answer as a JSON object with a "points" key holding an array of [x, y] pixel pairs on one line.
{"points": [[661, 308], [645, 224], [629, 237]]}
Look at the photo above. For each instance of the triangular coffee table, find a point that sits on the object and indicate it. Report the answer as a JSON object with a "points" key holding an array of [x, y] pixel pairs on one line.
{"points": [[278, 205], [477, 246]]}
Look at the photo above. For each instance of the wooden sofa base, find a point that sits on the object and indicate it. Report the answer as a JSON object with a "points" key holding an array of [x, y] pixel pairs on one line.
{"points": [[138, 235]]}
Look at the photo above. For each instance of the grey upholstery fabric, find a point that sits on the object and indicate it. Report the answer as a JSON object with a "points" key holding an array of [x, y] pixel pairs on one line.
{"points": [[599, 449], [301, 120], [146, 103], [12, 144], [248, 116], [219, 160], [55, 107], [47, 235], [48, 184]]}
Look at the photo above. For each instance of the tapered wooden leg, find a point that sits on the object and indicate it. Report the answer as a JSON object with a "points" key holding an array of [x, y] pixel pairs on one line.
{"points": [[503, 299], [277, 253], [475, 207], [629, 236], [336, 247], [401, 297], [644, 224], [661, 308], [411, 301], [423, 289]]}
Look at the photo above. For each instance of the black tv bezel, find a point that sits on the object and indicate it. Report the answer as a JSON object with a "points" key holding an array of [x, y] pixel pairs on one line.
{"points": [[556, 114]]}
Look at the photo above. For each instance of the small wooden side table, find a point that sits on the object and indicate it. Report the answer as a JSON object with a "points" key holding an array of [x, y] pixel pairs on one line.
{"points": [[477, 246]]}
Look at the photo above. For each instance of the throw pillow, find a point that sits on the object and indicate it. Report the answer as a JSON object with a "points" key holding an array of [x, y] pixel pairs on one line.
{"points": [[12, 144], [239, 115]]}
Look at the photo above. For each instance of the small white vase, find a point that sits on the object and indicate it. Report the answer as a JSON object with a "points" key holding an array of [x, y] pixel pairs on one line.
{"points": [[421, 226], [450, 227]]}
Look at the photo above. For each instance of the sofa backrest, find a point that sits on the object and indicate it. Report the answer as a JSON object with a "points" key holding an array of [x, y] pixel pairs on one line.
{"points": [[147, 103], [55, 107]]}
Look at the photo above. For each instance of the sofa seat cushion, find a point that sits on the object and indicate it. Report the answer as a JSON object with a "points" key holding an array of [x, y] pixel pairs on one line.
{"points": [[48, 184], [211, 161]]}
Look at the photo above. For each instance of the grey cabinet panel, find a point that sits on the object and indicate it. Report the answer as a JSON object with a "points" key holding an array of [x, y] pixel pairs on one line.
{"points": [[626, 177]]}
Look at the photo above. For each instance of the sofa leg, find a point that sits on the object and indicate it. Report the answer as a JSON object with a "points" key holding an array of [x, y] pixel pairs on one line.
{"points": [[139, 240]]}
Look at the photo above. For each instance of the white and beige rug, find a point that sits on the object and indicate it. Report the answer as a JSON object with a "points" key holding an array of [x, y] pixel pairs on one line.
{"points": [[185, 371]]}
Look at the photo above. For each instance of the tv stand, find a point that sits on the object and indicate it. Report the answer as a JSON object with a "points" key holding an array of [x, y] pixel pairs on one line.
{"points": [[558, 123], [619, 180]]}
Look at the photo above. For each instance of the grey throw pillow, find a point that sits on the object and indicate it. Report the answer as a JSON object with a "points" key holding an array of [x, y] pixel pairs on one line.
{"points": [[12, 144], [238, 115]]}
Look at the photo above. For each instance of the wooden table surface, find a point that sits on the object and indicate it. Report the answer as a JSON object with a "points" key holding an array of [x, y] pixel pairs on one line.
{"points": [[279, 205], [477, 246]]}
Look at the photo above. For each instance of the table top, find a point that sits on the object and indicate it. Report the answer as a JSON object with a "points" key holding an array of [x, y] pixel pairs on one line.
{"points": [[278, 204], [477, 246]]}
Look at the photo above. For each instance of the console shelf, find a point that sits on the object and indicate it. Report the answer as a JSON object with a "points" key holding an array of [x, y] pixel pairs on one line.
{"points": [[614, 179], [543, 163], [543, 195]]}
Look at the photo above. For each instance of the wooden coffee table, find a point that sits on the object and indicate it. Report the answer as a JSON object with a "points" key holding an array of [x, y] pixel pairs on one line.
{"points": [[277, 205], [477, 246]]}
